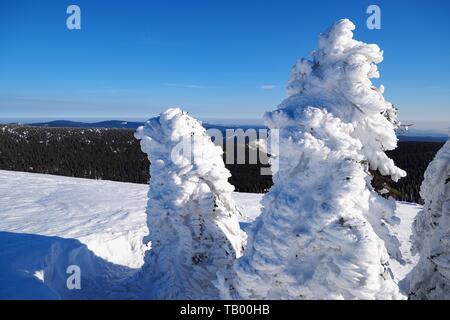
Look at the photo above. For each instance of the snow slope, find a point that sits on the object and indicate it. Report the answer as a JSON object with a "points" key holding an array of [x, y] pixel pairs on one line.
{"points": [[108, 217], [50, 222]]}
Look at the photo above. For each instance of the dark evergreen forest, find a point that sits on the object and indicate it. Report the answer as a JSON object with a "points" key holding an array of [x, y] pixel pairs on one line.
{"points": [[114, 154]]}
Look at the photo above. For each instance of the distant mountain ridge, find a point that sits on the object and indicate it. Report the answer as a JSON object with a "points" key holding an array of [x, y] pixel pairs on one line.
{"points": [[412, 135], [110, 124], [119, 124]]}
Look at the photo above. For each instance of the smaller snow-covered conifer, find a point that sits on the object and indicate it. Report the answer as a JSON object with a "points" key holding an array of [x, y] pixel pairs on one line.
{"points": [[430, 278], [192, 219]]}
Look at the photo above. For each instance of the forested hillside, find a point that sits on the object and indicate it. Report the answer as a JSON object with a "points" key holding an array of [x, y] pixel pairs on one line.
{"points": [[107, 154], [114, 154]]}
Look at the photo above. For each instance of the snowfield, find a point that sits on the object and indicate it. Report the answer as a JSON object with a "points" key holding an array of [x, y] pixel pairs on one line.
{"points": [[50, 222]]}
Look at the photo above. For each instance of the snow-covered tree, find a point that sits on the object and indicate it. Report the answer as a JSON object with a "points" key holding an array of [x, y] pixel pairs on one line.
{"points": [[323, 231], [192, 219], [430, 278]]}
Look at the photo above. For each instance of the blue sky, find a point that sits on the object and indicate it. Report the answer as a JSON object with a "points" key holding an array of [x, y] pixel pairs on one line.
{"points": [[216, 59]]}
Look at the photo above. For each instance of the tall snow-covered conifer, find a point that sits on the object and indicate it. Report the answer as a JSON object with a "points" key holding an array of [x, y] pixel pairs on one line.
{"points": [[192, 219], [430, 278], [323, 231]]}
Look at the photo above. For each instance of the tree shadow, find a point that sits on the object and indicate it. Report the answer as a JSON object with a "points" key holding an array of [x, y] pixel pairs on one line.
{"points": [[35, 267]]}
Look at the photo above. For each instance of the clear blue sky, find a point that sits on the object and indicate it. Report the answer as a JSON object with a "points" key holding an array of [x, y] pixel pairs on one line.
{"points": [[221, 58]]}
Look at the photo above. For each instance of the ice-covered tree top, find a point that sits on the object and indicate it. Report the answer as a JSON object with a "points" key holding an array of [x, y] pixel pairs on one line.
{"points": [[339, 75], [179, 143], [338, 79]]}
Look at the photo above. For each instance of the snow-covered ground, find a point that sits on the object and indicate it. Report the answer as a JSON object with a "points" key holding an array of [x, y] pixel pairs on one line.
{"points": [[406, 212], [50, 222]]}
